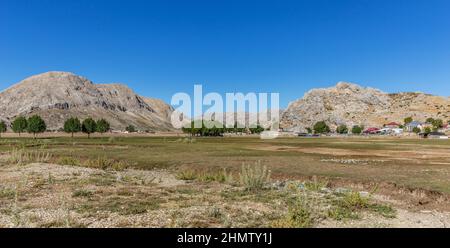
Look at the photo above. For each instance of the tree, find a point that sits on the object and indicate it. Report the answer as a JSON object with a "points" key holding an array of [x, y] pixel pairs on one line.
{"points": [[342, 129], [309, 130], [89, 126], [258, 129], [408, 120], [36, 124], [416, 130], [19, 125], [430, 120], [437, 123], [103, 126], [321, 127], [2, 127], [427, 130], [72, 125], [356, 129], [130, 129]]}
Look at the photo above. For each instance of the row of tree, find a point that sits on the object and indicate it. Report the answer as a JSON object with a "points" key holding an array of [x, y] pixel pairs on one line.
{"points": [[211, 128], [35, 124], [88, 126], [321, 128]]}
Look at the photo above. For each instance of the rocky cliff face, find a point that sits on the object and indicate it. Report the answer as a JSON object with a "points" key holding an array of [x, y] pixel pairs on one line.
{"points": [[57, 96], [351, 104]]}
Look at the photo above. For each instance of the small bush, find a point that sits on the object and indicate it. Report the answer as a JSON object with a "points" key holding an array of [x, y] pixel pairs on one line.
{"points": [[254, 177], [69, 161], [315, 184], [82, 193], [187, 175], [105, 163], [300, 214]]}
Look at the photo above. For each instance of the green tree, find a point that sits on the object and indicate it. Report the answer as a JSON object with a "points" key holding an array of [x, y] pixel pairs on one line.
{"points": [[36, 125], [103, 126], [72, 125], [3, 127], [427, 130], [89, 126], [130, 129], [342, 129], [437, 123], [321, 127], [408, 120], [309, 130], [19, 125], [356, 129], [430, 120], [416, 130], [258, 129]]}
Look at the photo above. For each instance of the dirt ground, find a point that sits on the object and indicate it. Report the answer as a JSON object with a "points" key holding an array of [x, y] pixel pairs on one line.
{"points": [[50, 195]]}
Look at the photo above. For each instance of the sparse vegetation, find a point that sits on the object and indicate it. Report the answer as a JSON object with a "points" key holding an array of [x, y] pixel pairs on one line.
{"points": [[254, 177], [22, 156]]}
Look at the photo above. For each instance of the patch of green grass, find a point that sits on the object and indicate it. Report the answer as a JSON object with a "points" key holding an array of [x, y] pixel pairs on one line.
{"points": [[384, 210], [7, 193], [82, 193]]}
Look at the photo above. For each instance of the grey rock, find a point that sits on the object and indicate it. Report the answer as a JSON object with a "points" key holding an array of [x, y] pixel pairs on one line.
{"points": [[57, 96]]}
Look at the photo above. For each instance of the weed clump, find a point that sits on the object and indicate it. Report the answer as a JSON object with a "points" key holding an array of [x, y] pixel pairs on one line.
{"points": [[254, 177]]}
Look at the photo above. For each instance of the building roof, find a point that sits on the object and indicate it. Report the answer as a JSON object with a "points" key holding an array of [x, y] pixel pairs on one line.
{"points": [[414, 124], [393, 124]]}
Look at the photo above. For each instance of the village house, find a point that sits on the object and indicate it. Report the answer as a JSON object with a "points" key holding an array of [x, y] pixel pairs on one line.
{"points": [[410, 126], [392, 125]]}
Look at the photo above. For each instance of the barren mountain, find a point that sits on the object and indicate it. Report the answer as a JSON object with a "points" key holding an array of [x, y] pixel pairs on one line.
{"points": [[352, 104], [57, 96]]}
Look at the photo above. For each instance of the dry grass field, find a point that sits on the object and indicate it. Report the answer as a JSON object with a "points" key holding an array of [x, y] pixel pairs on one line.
{"points": [[224, 182]]}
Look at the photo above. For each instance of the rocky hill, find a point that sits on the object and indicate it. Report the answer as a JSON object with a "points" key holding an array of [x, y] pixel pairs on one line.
{"points": [[57, 96], [352, 104]]}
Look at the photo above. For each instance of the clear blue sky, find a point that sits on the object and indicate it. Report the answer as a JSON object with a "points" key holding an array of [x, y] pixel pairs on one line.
{"points": [[162, 47]]}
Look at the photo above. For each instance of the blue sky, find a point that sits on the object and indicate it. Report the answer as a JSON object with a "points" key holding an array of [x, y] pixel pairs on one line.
{"points": [[159, 48]]}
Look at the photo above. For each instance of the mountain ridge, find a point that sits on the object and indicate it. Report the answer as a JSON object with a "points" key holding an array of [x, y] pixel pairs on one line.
{"points": [[57, 96], [351, 104]]}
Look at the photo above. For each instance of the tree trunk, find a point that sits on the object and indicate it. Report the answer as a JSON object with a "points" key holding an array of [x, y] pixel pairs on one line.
{"points": [[34, 135], [72, 135], [89, 135]]}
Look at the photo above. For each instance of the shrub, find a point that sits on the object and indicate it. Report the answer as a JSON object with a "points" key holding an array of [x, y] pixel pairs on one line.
{"points": [[105, 163], [416, 130], [130, 129], [187, 175], [300, 214], [254, 177], [357, 130], [69, 161], [342, 129]]}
